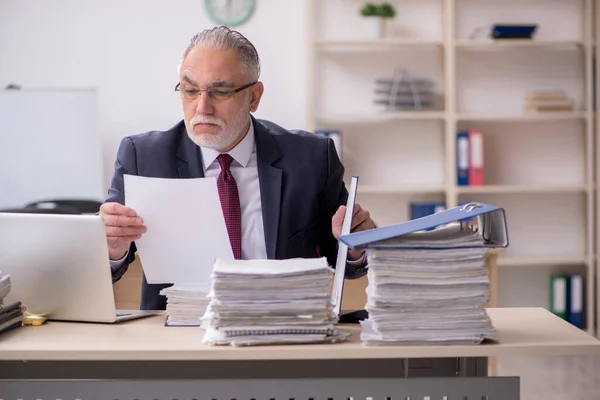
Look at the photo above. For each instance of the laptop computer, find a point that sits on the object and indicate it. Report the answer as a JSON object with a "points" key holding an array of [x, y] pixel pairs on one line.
{"points": [[59, 267]]}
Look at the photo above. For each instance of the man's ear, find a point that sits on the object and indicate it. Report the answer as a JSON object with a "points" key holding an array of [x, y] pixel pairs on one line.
{"points": [[256, 92]]}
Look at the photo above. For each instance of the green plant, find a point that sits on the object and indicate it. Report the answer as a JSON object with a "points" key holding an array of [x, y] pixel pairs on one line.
{"points": [[369, 10], [384, 10]]}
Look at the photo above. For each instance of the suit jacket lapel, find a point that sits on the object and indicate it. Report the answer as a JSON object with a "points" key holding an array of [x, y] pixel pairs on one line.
{"points": [[270, 185], [189, 163]]}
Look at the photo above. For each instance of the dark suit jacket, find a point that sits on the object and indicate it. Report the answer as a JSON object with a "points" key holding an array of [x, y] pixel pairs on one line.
{"points": [[301, 188]]}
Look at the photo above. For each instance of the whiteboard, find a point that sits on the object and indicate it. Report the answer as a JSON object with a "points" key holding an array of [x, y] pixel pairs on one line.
{"points": [[49, 146]]}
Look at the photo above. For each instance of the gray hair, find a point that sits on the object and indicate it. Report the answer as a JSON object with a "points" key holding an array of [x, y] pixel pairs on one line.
{"points": [[221, 38]]}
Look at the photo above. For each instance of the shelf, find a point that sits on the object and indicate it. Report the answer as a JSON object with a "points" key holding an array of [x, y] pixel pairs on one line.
{"points": [[380, 117], [523, 118], [391, 189], [539, 167], [541, 261], [518, 44], [373, 43], [516, 189]]}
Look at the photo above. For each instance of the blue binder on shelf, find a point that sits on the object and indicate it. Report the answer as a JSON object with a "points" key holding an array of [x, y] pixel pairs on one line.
{"points": [[462, 158], [575, 301], [488, 221]]}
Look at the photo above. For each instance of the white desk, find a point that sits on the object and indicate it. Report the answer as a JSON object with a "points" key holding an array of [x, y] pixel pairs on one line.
{"points": [[146, 349]]}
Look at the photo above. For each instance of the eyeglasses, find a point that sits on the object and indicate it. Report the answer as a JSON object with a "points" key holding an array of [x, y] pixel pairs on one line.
{"points": [[216, 94]]}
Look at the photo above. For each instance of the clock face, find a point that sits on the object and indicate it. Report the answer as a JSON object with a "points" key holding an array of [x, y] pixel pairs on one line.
{"points": [[229, 12]]}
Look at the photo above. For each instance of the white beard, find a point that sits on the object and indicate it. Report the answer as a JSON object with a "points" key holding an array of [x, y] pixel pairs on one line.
{"points": [[221, 140]]}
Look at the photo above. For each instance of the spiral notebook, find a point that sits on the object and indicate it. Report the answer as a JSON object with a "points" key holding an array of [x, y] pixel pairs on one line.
{"points": [[260, 302]]}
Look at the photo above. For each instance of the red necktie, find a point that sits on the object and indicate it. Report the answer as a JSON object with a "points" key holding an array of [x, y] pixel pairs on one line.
{"points": [[230, 203]]}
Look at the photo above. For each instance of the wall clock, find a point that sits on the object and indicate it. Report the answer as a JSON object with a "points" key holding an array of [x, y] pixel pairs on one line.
{"points": [[229, 12]]}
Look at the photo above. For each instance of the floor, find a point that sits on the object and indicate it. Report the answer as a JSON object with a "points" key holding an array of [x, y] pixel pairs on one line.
{"points": [[554, 378]]}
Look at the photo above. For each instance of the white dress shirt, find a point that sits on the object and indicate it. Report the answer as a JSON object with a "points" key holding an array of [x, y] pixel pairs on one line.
{"points": [[244, 169]]}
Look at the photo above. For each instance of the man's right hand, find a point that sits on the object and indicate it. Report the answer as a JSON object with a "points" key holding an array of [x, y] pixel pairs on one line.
{"points": [[123, 226]]}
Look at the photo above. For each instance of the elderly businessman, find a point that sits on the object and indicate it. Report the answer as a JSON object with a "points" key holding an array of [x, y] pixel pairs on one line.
{"points": [[282, 192]]}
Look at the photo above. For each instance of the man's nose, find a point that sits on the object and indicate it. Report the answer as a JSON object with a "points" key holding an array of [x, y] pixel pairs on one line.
{"points": [[204, 105]]}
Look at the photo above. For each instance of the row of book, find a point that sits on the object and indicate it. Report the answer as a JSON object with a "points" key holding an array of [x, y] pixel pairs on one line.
{"points": [[469, 158], [567, 298]]}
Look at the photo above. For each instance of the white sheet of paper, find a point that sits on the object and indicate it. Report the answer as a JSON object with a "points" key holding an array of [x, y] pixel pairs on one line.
{"points": [[186, 228]]}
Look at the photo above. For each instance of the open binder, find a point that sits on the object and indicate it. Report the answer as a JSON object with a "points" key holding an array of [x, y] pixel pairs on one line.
{"points": [[472, 225]]}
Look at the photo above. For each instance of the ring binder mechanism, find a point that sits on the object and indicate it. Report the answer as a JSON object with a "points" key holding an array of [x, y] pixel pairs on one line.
{"points": [[265, 331], [471, 225]]}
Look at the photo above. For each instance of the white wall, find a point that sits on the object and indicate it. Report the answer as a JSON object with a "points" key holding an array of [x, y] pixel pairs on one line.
{"points": [[129, 51]]}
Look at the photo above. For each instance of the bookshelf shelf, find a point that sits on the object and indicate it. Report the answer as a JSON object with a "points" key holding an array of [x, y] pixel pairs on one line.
{"points": [[390, 44], [519, 44], [541, 261], [566, 116], [517, 189], [389, 189], [409, 158], [379, 117]]}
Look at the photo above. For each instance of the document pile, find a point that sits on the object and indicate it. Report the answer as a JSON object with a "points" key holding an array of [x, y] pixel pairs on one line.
{"points": [[260, 302], [11, 315], [185, 304], [428, 288]]}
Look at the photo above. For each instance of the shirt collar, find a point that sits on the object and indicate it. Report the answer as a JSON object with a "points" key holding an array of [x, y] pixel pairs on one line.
{"points": [[240, 153]]}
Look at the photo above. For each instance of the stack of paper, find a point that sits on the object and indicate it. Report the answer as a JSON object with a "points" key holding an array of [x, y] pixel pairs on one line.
{"points": [[432, 293], [11, 315], [4, 286], [185, 304], [257, 302]]}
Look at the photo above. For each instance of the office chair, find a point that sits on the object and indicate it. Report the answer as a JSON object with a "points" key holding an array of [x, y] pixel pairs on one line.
{"points": [[80, 206], [35, 210]]}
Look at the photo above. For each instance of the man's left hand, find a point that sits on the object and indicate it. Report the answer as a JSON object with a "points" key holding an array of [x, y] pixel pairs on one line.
{"points": [[361, 221]]}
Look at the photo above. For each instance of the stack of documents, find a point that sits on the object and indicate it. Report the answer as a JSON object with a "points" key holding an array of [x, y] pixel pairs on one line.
{"points": [[259, 302], [4, 286], [428, 288], [185, 304], [11, 315]]}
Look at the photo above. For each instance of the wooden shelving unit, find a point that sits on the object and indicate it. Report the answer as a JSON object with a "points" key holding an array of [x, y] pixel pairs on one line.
{"points": [[541, 168], [596, 46]]}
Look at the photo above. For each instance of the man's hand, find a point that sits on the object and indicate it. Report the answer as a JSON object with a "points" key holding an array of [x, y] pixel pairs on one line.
{"points": [[123, 226], [361, 221]]}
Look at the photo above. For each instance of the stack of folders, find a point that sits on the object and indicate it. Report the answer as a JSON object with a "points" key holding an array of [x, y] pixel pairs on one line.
{"points": [[185, 304], [11, 315], [261, 302], [430, 291]]}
